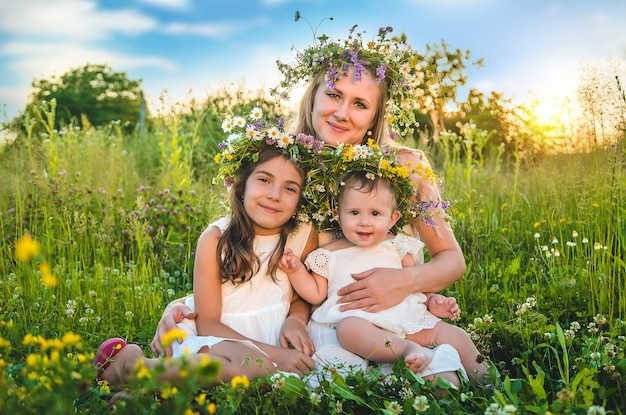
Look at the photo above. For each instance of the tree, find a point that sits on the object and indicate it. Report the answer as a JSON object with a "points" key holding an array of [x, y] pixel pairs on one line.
{"points": [[93, 93]]}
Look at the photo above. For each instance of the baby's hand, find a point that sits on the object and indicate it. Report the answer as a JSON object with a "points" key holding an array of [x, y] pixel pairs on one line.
{"points": [[444, 307], [289, 262]]}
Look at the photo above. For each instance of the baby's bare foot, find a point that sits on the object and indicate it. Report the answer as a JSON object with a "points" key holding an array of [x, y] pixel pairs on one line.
{"points": [[416, 357], [122, 366]]}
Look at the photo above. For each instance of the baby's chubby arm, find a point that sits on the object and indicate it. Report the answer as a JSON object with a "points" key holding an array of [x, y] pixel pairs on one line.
{"points": [[310, 286]]}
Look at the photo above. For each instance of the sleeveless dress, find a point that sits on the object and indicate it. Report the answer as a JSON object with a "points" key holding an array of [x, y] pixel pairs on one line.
{"points": [[257, 308], [409, 316]]}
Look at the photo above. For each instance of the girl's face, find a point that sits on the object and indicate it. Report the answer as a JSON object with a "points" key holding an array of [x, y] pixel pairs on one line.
{"points": [[272, 195], [366, 217], [345, 113]]}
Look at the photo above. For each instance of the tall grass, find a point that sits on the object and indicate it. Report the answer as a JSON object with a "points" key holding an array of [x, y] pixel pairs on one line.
{"points": [[118, 218]]}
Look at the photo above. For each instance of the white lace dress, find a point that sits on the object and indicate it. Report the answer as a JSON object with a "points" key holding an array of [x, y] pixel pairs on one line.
{"points": [[257, 308], [409, 316]]}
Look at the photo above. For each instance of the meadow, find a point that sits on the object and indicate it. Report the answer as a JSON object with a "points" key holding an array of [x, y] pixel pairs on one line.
{"points": [[98, 234]]}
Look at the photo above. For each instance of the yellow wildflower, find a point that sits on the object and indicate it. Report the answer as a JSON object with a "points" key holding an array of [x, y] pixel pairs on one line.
{"points": [[217, 158], [26, 248], [172, 335], [49, 280], [238, 381], [70, 339], [211, 408]]}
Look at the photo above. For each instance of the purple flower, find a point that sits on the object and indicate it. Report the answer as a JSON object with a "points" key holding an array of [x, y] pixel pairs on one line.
{"points": [[380, 73]]}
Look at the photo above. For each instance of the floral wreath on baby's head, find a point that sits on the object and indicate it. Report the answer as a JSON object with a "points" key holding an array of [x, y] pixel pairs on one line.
{"points": [[324, 182], [391, 59], [249, 137]]}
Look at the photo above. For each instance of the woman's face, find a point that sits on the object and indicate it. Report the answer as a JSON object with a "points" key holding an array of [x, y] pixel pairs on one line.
{"points": [[345, 113]]}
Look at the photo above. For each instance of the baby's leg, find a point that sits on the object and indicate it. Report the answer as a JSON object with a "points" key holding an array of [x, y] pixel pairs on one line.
{"points": [[445, 333], [365, 339]]}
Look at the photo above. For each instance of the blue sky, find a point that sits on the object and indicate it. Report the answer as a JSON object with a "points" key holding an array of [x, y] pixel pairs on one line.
{"points": [[192, 47]]}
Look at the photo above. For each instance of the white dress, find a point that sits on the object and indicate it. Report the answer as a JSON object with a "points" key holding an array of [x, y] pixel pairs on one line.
{"points": [[408, 317], [256, 308]]}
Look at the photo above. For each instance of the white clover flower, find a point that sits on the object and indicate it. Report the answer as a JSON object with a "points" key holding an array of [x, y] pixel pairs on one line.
{"points": [[575, 326], [569, 334], [488, 319], [394, 408], [315, 398], [531, 301], [509, 409], [421, 403], [537, 235], [596, 410], [547, 335]]}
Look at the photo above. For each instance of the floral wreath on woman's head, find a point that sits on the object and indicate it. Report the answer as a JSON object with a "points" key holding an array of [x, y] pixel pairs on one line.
{"points": [[391, 59], [324, 182], [248, 138]]}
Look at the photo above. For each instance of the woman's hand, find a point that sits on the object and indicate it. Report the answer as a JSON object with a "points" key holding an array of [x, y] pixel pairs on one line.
{"points": [[376, 290], [174, 313]]}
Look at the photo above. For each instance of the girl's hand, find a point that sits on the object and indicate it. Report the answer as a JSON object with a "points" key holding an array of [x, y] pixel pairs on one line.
{"points": [[294, 335], [291, 360]]}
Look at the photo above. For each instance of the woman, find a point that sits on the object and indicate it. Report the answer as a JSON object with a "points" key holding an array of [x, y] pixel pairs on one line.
{"points": [[348, 102]]}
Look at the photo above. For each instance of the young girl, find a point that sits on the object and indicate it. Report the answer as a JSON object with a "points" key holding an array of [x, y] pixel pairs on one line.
{"points": [[241, 296], [367, 212]]}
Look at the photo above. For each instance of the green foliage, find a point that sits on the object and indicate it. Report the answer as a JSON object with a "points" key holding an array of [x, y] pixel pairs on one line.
{"points": [[90, 95]]}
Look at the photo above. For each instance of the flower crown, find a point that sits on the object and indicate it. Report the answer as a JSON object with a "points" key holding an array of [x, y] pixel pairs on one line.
{"points": [[390, 60], [248, 138], [324, 183]]}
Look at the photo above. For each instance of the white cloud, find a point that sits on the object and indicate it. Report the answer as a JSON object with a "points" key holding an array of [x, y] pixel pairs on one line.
{"points": [[168, 4], [70, 19], [212, 30]]}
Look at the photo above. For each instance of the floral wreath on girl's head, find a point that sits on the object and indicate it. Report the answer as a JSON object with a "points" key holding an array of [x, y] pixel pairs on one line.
{"points": [[324, 182], [249, 137], [392, 60]]}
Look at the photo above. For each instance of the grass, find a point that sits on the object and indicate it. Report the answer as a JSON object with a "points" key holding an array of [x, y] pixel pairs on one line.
{"points": [[113, 220]]}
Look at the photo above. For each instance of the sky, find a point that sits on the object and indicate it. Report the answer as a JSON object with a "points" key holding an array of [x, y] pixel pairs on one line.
{"points": [[183, 49]]}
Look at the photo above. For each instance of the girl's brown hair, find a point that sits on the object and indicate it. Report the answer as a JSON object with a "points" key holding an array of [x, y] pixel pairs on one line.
{"points": [[237, 260]]}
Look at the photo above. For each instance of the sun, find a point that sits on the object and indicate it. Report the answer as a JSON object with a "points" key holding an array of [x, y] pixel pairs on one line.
{"points": [[550, 110]]}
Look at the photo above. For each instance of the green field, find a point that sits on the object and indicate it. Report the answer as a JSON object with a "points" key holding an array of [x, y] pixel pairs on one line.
{"points": [[113, 220]]}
